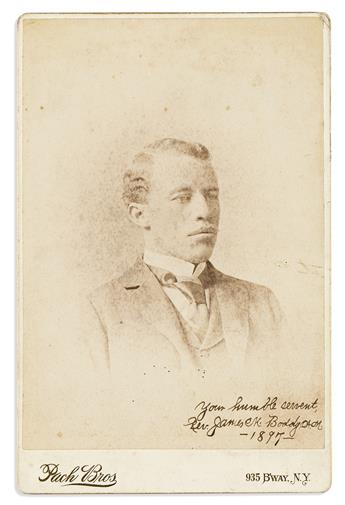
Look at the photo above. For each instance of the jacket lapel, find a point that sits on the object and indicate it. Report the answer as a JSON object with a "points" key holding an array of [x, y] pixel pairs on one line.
{"points": [[233, 301], [148, 298]]}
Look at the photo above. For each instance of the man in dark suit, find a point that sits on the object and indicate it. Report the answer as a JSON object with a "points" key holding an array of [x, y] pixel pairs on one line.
{"points": [[173, 309]]}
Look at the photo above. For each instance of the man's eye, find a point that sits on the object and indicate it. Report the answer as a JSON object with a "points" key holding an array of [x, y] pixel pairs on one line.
{"points": [[184, 198]]}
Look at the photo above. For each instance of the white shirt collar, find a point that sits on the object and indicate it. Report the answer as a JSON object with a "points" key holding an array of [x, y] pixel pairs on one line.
{"points": [[177, 266]]}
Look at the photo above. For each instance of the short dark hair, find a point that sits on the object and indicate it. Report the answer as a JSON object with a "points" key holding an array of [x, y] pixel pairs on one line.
{"points": [[137, 180]]}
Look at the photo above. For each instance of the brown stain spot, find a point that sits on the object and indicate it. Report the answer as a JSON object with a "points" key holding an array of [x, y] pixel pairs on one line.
{"points": [[227, 107], [165, 109], [256, 81], [60, 434], [140, 55], [113, 76], [41, 107]]}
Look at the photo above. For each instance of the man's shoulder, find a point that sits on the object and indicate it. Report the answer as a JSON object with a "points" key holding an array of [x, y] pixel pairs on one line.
{"points": [[118, 287], [238, 284], [257, 298], [106, 291]]}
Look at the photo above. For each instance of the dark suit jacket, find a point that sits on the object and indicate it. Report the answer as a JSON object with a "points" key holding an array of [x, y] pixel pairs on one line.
{"points": [[140, 326]]}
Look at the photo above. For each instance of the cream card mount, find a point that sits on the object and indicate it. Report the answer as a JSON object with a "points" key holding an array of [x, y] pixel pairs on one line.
{"points": [[173, 309]]}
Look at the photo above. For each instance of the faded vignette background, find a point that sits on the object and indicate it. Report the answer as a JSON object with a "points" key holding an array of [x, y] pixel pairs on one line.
{"points": [[94, 92]]}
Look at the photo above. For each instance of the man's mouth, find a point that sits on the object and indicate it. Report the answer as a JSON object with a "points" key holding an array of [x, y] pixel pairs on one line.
{"points": [[203, 231]]}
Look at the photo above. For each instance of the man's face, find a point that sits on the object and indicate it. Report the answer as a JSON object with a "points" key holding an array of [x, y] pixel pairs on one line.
{"points": [[183, 207]]}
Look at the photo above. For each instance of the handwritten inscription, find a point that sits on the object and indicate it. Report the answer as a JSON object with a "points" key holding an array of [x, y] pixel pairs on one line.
{"points": [[85, 475], [268, 422]]}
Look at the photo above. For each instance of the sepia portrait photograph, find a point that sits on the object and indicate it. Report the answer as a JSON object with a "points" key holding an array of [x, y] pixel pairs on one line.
{"points": [[173, 270]]}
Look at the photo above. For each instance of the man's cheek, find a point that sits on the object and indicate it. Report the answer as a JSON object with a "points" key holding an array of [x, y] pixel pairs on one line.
{"points": [[166, 228]]}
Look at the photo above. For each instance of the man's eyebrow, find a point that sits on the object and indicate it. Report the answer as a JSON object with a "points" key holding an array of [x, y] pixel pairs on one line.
{"points": [[180, 189]]}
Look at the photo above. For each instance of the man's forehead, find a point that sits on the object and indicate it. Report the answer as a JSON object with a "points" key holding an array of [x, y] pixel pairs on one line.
{"points": [[176, 166]]}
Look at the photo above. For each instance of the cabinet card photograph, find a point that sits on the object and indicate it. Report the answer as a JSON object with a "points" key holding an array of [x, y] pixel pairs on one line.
{"points": [[173, 253]]}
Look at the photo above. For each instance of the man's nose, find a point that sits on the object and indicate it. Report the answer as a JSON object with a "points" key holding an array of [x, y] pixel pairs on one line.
{"points": [[200, 206]]}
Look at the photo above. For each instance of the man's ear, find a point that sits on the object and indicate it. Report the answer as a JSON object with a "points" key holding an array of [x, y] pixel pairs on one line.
{"points": [[139, 214]]}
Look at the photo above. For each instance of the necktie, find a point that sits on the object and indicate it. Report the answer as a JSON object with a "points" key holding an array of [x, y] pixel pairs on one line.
{"points": [[197, 312]]}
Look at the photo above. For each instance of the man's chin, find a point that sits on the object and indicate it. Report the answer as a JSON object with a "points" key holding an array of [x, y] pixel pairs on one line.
{"points": [[200, 255], [197, 253]]}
